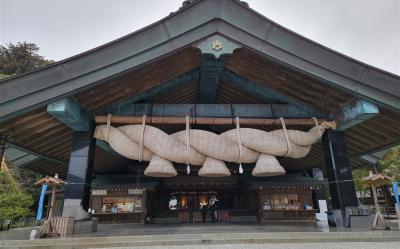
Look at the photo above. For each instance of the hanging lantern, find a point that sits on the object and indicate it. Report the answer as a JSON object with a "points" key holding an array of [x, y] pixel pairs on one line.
{"points": [[268, 165], [159, 167], [214, 168]]}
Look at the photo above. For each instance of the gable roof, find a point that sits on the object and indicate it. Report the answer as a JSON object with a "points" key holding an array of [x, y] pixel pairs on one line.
{"points": [[184, 28]]}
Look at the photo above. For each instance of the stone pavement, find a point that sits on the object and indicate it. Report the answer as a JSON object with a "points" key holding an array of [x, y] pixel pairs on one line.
{"points": [[198, 236], [130, 229], [341, 245]]}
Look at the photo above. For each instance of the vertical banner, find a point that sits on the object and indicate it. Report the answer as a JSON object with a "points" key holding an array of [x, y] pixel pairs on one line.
{"points": [[41, 201], [396, 192]]}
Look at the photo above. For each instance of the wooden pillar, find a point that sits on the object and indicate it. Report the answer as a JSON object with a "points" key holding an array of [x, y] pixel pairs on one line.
{"points": [[52, 202], [375, 195]]}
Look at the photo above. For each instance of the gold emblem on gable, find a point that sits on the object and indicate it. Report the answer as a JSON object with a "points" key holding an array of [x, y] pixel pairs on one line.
{"points": [[217, 45]]}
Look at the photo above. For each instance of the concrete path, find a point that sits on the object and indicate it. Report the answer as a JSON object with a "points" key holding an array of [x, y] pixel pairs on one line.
{"points": [[341, 245]]}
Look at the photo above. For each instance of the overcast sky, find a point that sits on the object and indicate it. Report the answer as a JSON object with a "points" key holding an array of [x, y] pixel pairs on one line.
{"points": [[367, 30]]}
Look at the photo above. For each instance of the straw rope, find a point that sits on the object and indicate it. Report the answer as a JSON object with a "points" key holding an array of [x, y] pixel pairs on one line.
{"points": [[239, 140], [108, 125], [192, 146], [316, 125], [142, 138], [286, 136], [187, 145]]}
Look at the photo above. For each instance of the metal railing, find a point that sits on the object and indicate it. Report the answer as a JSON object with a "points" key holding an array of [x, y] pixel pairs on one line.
{"points": [[6, 224]]}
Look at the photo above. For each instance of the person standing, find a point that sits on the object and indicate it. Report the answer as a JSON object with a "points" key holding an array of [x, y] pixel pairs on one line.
{"points": [[173, 203], [213, 202], [203, 210]]}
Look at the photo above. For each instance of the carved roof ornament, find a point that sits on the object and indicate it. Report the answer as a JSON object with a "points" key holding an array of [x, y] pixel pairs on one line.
{"points": [[217, 45]]}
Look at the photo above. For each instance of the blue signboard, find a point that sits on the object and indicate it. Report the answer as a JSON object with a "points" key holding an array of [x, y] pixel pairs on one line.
{"points": [[41, 202], [396, 192]]}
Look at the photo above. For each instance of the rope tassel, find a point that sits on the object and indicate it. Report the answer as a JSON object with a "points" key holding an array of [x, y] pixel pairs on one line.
{"points": [[240, 144], [187, 145]]}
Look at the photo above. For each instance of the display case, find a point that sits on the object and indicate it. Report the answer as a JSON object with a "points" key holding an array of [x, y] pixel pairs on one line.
{"points": [[118, 205], [286, 205]]}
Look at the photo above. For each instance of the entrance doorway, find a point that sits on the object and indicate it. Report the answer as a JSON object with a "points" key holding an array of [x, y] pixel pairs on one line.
{"points": [[233, 205]]}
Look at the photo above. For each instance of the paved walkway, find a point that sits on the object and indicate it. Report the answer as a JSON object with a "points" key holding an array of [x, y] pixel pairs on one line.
{"points": [[342, 245], [110, 230], [199, 228]]}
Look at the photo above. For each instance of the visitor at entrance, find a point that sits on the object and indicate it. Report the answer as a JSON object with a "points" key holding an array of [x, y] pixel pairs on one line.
{"points": [[204, 209], [213, 206], [173, 203]]}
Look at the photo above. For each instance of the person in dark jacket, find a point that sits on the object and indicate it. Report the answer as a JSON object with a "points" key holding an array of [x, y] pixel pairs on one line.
{"points": [[204, 210], [213, 206]]}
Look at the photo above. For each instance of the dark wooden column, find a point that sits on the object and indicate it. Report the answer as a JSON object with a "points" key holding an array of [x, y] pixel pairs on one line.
{"points": [[79, 177], [341, 185]]}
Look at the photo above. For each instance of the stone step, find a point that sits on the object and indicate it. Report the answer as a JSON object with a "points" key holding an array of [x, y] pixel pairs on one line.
{"points": [[244, 218], [198, 239], [166, 220]]}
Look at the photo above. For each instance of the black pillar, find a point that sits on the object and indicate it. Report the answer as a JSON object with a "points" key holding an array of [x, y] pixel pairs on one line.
{"points": [[341, 185], [80, 168]]}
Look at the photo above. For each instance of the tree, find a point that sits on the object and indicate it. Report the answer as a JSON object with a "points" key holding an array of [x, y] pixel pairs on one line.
{"points": [[15, 205], [390, 163], [358, 175], [20, 58]]}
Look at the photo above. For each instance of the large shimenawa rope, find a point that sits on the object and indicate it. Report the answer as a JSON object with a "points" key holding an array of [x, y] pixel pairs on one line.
{"points": [[192, 146]]}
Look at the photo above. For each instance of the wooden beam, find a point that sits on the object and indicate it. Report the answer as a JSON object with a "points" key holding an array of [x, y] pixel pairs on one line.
{"points": [[265, 93], [70, 112], [35, 153], [214, 110], [203, 121], [123, 107], [354, 113]]}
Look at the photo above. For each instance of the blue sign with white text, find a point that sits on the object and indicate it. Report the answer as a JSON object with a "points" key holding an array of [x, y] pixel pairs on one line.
{"points": [[41, 202], [396, 192]]}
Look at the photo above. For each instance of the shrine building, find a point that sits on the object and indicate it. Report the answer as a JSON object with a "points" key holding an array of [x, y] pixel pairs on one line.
{"points": [[212, 102]]}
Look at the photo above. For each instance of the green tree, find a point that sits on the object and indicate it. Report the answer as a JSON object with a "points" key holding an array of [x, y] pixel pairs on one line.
{"points": [[15, 205], [390, 163], [359, 174], [20, 58], [16, 192]]}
